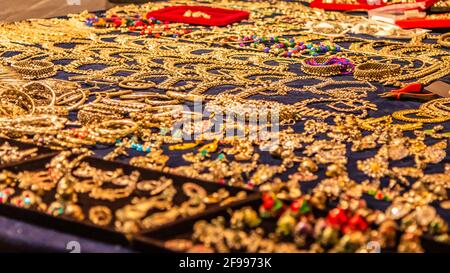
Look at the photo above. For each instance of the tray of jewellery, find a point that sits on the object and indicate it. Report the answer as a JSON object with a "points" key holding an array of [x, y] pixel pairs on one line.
{"points": [[13, 152], [270, 224], [106, 200]]}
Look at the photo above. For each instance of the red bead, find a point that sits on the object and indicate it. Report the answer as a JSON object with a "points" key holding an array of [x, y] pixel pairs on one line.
{"points": [[337, 217], [117, 23], [296, 205], [379, 195], [268, 203], [357, 222], [266, 196]]}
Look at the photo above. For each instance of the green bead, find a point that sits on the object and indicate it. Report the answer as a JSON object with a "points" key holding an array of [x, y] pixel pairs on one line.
{"points": [[305, 208], [278, 205]]}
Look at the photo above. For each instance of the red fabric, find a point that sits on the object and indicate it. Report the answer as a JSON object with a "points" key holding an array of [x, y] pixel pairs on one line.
{"points": [[219, 17], [362, 5], [423, 23], [333, 6]]}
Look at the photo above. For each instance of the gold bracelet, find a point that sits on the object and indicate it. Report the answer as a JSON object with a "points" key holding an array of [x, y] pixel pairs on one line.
{"points": [[34, 69], [320, 69], [373, 71]]}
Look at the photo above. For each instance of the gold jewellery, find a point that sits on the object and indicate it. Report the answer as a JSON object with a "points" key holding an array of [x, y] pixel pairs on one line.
{"points": [[196, 14], [34, 69], [373, 71], [100, 215], [11, 154]]}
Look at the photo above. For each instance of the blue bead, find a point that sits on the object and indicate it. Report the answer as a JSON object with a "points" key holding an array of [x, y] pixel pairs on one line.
{"points": [[133, 145], [139, 147], [148, 150]]}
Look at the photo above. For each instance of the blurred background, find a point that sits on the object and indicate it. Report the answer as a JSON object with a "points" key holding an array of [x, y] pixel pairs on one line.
{"points": [[26, 9]]}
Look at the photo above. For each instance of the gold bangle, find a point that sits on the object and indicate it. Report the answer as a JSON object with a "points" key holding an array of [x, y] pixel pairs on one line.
{"points": [[320, 70], [133, 126], [373, 71], [34, 69]]}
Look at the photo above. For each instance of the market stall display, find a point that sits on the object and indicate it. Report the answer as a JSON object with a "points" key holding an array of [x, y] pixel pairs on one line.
{"points": [[162, 127]]}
